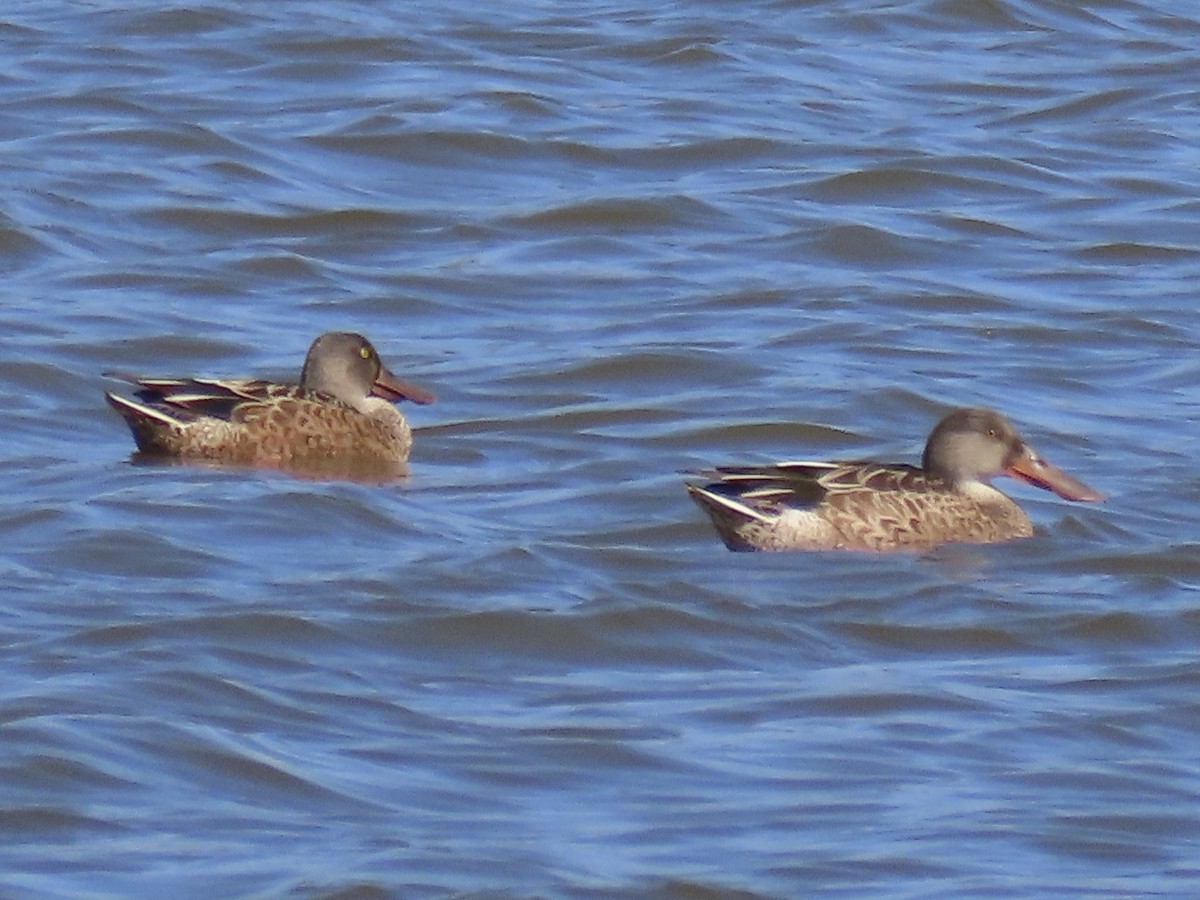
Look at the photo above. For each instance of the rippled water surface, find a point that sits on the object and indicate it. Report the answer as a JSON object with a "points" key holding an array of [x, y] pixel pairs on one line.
{"points": [[617, 242]]}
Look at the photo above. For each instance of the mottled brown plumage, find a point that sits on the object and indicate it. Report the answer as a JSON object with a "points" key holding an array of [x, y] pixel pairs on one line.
{"points": [[339, 420], [878, 506]]}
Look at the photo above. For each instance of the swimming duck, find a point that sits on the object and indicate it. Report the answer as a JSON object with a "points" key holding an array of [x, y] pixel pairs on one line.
{"points": [[339, 415], [882, 506]]}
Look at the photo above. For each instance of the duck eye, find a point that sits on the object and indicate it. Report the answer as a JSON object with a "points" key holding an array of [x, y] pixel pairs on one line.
{"points": [[364, 352]]}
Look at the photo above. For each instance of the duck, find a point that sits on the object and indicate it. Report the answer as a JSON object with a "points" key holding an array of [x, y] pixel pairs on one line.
{"points": [[873, 506], [341, 415]]}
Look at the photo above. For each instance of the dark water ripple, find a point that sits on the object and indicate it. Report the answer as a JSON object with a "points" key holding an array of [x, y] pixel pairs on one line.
{"points": [[618, 243]]}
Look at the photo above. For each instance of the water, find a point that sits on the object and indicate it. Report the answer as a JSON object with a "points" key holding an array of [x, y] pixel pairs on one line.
{"points": [[617, 242]]}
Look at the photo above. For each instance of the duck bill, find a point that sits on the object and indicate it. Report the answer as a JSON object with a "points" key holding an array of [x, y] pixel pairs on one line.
{"points": [[393, 389], [1031, 468]]}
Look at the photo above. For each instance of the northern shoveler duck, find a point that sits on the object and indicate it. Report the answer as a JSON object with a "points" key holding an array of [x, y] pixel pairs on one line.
{"points": [[340, 417], [880, 506]]}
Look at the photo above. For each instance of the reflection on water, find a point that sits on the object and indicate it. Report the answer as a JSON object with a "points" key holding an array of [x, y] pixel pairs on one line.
{"points": [[621, 244], [332, 469]]}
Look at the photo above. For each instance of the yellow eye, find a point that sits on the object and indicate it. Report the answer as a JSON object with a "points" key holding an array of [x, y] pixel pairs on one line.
{"points": [[364, 352]]}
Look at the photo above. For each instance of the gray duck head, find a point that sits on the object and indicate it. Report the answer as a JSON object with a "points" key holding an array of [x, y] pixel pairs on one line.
{"points": [[345, 366], [976, 444]]}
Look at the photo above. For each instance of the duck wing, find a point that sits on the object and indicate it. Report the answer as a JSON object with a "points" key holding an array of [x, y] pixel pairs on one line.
{"points": [[188, 399]]}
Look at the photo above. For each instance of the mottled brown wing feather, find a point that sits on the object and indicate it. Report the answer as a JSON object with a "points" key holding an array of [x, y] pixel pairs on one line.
{"points": [[193, 398], [803, 485]]}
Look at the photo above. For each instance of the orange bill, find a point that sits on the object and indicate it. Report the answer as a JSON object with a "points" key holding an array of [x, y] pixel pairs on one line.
{"points": [[1031, 468], [393, 389]]}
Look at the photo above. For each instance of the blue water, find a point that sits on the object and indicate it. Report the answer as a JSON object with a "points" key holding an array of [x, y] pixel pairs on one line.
{"points": [[617, 243]]}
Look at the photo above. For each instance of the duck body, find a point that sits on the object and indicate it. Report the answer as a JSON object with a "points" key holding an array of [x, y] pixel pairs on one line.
{"points": [[340, 416], [881, 506], [852, 506]]}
